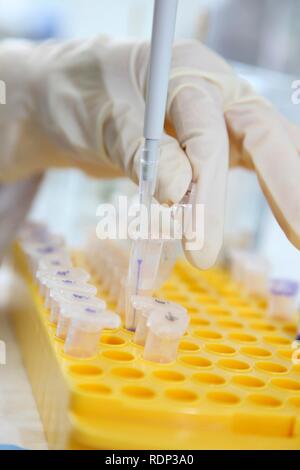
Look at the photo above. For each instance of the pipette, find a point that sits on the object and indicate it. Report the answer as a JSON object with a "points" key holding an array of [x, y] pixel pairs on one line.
{"points": [[163, 27]]}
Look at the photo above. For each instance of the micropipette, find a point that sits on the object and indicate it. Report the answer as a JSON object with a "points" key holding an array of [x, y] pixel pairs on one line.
{"points": [[164, 19]]}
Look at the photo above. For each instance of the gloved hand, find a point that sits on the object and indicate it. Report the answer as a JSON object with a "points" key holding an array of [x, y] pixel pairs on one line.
{"points": [[15, 201], [81, 103]]}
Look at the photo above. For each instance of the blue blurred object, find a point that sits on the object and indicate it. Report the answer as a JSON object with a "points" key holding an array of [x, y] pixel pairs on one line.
{"points": [[10, 447], [31, 19]]}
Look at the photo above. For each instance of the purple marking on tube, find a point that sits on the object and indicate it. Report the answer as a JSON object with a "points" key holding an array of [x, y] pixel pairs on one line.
{"points": [[67, 281], [284, 287], [90, 310], [80, 297], [46, 250], [298, 337], [62, 273], [170, 317], [55, 262]]}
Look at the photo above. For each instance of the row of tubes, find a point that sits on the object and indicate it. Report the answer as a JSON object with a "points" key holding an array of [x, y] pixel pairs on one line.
{"points": [[79, 315], [158, 324], [252, 272]]}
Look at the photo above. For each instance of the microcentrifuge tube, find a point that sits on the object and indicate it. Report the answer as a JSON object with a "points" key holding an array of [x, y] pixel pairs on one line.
{"points": [[59, 294], [115, 286], [57, 261], [282, 299], [142, 274], [256, 276], [37, 251], [143, 306], [85, 329], [165, 328], [74, 274], [34, 232], [121, 304], [67, 310], [238, 260]]}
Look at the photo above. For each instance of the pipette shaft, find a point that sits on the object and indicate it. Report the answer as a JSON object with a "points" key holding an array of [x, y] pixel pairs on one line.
{"points": [[164, 19]]}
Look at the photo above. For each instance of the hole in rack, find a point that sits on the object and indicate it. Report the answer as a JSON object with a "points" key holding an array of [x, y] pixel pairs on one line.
{"points": [[217, 311], [181, 395], [255, 352], [242, 337], [199, 322], [118, 355], [249, 314], [206, 299], [220, 348], [271, 367], [179, 298], [262, 326], [207, 378], [286, 384], [290, 329], [295, 401], [285, 353], [296, 367], [95, 388], [139, 392], [229, 324], [128, 373], [264, 400], [85, 369], [207, 334], [224, 398], [196, 361], [169, 375], [112, 340], [248, 381], [170, 287], [188, 346], [274, 339], [233, 364], [236, 302]]}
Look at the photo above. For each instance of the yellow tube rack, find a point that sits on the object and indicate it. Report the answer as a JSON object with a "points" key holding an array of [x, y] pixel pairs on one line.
{"points": [[233, 385]]}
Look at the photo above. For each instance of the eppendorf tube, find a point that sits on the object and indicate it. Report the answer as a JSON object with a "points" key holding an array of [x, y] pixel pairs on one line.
{"points": [[60, 260], [34, 232], [256, 272], [38, 251], [121, 303], [283, 299], [68, 307], [143, 306], [59, 293], [165, 328], [238, 260], [74, 274], [86, 326], [142, 274]]}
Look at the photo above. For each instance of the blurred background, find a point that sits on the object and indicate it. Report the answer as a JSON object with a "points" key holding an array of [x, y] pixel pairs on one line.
{"points": [[260, 37]]}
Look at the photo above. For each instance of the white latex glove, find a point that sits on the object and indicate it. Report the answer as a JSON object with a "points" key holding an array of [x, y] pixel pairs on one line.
{"points": [[81, 103], [15, 201]]}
